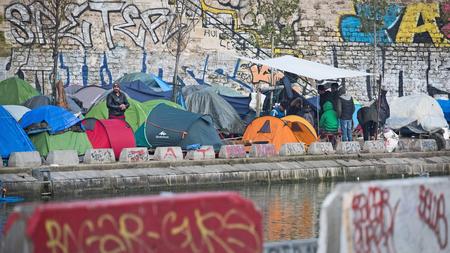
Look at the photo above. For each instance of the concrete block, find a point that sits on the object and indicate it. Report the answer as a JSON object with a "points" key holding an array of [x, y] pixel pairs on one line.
{"points": [[99, 156], [413, 217], [263, 150], [291, 149], [447, 144], [374, 146], [232, 151], [417, 145], [31, 230], [204, 153], [320, 148], [62, 157], [168, 154], [25, 159], [134, 155], [348, 147]]}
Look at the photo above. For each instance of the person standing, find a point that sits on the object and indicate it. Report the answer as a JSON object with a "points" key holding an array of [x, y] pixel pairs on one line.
{"points": [[345, 109], [117, 103], [328, 121]]}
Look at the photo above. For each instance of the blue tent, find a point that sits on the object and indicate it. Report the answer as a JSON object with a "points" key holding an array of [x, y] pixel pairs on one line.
{"points": [[57, 119], [169, 126], [149, 80], [12, 136], [445, 105]]}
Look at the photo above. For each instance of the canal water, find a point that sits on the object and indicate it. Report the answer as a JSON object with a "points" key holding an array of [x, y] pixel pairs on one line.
{"points": [[290, 210]]}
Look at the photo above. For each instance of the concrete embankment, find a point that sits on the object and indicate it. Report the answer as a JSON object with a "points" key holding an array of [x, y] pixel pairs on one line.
{"points": [[152, 174]]}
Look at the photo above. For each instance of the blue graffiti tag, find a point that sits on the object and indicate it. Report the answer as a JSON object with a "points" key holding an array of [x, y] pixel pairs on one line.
{"points": [[144, 60], [350, 25], [104, 67], [85, 71], [64, 67]]}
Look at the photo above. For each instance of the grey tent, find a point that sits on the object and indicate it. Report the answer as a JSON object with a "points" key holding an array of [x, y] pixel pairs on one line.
{"points": [[72, 89], [169, 126], [88, 95], [207, 101], [38, 101]]}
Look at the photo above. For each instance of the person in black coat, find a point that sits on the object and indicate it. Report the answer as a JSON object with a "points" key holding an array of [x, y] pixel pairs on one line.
{"points": [[345, 109], [117, 103]]}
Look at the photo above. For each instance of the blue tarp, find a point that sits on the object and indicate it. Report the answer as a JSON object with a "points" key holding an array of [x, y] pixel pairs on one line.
{"points": [[12, 136], [57, 118], [445, 105], [240, 104]]}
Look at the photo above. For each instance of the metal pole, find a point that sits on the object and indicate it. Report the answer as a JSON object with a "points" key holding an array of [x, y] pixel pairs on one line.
{"points": [[272, 49], [177, 56]]}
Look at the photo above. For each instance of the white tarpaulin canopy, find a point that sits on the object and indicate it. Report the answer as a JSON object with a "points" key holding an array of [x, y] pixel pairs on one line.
{"points": [[306, 68]]}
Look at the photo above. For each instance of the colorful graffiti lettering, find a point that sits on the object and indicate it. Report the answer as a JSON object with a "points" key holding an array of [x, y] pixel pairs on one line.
{"points": [[414, 23], [28, 22], [263, 74], [373, 221], [203, 222], [431, 210], [350, 25]]}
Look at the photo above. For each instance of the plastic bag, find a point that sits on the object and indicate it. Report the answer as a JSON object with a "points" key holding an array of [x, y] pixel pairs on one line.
{"points": [[390, 140]]}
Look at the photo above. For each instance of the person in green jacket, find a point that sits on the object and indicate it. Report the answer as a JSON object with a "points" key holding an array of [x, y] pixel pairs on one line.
{"points": [[329, 120]]}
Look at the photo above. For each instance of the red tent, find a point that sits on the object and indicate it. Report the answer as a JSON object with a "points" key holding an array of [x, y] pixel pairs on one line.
{"points": [[109, 133]]}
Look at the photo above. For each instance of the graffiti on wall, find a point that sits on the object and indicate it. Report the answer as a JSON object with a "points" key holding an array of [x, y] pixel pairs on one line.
{"points": [[414, 23], [29, 23]]}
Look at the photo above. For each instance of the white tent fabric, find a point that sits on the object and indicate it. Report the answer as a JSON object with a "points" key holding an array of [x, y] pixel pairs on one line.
{"points": [[307, 68], [420, 113], [17, 111]]}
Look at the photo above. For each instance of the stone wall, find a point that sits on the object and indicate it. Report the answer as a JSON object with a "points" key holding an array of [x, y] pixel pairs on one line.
{"points": [[107, 39]]}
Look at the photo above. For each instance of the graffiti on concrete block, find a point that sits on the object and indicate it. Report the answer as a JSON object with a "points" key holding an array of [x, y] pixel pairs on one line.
{"points": [[431, 211], [100, 155], [349, 147], [232, 151], [414, 23], [263, 150], [138, 155], [170, 153], [374, 145], [373, 221]]}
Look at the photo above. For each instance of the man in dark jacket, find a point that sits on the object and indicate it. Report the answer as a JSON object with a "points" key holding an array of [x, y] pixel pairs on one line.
{"points": [[117, 103], [345, 109]]}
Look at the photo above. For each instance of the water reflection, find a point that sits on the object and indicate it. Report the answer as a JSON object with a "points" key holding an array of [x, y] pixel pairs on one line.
{"points": [[290, 211]]}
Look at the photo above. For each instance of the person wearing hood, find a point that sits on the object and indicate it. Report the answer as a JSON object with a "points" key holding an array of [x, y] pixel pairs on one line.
{"points": [[345, 109], [329, 120]]}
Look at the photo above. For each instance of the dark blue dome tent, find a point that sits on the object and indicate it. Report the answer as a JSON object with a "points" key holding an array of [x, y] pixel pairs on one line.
{"points": [[168, 126], [12, 136]]}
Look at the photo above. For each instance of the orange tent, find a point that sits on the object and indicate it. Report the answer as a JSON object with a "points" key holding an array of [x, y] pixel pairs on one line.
{"points": [[302, 129], [277, 131]]}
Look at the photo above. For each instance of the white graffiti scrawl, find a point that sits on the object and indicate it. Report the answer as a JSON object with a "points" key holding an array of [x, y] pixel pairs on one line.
{"points": [[29, 22]]}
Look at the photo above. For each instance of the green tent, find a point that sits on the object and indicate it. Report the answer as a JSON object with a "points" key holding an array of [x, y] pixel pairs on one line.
{"points": [[148, 107], [135, 115], [15, 91], [69, 140]]}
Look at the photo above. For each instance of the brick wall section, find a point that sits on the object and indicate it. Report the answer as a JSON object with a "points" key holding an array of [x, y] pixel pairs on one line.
{"points": [[417, 41]]}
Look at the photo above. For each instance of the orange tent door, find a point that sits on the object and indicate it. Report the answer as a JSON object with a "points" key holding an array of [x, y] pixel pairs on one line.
{"points": [[271, 130], [302, 129]]}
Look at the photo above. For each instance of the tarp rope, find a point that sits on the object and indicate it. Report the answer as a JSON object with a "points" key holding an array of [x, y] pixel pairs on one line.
{"points": [[183, 133]]}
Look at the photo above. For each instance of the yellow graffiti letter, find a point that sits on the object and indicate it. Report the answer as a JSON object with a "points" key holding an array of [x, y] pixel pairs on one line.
{"points": [[409, 26]]}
